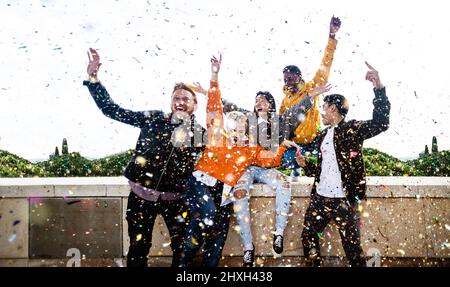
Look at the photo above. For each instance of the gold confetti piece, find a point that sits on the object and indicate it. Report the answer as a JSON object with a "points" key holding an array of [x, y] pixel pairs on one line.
{"points": [[360, 208], [140, 161], [401, 251], [184, 214], [240, 159], [138, 237], [166, 244]]}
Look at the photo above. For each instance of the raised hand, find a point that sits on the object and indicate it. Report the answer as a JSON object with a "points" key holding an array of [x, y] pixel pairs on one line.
{"points": [[215, 64], [199, 89], [372, 75], [94, 63], [335, 24], [320, 90]]}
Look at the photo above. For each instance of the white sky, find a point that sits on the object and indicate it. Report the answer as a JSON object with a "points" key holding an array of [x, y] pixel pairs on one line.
{"points": [[147, 46]]}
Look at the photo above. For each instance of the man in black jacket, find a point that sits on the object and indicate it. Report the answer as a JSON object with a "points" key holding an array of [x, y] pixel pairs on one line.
{"points": [[339, 174], [160, 166]]}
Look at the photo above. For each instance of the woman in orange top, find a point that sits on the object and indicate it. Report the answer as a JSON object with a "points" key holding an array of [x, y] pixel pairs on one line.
{"points": [[224, 161]]}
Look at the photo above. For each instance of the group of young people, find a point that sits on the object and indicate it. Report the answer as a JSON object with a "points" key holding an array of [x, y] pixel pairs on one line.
{"points": [[198, 178]]}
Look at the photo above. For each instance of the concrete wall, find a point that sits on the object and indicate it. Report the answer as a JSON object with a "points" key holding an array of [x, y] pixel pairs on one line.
{"points": [[42, 218]]}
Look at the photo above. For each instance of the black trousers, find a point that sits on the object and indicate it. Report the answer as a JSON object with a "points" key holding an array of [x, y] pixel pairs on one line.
{"points": [[319, 213], [141, 215]]}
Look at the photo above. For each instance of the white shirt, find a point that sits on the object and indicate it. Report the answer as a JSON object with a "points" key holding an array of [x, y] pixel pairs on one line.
{"points": [[330, 184]]}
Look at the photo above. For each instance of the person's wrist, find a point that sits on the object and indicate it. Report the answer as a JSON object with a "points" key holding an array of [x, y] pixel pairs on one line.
{"points": [[379, 85], [93, 79]]}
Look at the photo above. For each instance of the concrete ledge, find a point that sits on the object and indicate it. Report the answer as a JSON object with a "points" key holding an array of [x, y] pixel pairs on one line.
{"points": [[385, 187], [405, 217]]}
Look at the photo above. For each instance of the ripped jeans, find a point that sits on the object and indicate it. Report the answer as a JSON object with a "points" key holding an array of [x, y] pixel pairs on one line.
{"points": [[275, 180]]}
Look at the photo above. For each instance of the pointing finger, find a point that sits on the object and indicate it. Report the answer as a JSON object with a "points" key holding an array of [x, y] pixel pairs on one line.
{"points": [[369, 66]]}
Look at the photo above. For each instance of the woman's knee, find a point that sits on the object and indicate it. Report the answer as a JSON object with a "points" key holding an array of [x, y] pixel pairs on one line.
{"points": [[240, 194]]}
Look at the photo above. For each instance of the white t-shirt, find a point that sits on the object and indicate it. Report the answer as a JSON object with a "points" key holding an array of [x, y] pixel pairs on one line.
{"points": [[330, 184]]}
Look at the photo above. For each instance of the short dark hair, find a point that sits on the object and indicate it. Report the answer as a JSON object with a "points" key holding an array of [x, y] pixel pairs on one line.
{"points": [[339, 101], [183, 86], [292, 69]]}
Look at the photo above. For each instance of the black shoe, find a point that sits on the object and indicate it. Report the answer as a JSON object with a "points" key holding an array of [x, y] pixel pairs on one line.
{"points": [[278, 244], [249, 258]]}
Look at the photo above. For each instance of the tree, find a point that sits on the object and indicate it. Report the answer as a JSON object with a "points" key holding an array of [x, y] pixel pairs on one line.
{"points": [[434, 147], [427, 152], [65, 147], [56, 152]]}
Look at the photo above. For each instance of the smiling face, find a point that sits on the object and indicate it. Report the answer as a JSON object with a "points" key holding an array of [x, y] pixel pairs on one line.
{"points": [[291, 79], [183, 102], [262, 105], [236, 127]]}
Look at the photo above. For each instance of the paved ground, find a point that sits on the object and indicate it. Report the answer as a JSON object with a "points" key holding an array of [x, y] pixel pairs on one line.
{"points": [[227, 262]]}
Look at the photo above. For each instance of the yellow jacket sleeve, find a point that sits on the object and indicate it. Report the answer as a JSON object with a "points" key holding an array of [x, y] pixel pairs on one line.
{"points": [[323, 73]]}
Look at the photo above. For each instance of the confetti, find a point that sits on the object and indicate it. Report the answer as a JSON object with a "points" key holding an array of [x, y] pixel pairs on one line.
{"points": [[138, 237], [12, 238], [16, 222], [140, 161]]}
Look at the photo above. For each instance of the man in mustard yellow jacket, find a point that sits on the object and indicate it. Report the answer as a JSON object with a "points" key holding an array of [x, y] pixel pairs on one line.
{"points": [[295, 89]]}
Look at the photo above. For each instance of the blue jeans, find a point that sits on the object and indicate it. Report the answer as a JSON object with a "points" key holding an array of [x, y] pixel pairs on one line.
{"points": [[288, 160], [209, 223], [276, 181]]}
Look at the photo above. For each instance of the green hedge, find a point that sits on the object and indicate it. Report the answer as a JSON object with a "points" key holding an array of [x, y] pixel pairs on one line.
{"points": [[73, 164]]}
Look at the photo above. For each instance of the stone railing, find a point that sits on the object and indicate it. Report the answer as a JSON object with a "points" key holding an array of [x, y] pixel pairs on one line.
{"points": [[49, 218]]}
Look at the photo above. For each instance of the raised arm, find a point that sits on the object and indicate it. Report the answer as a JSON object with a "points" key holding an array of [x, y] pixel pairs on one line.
{"points": [[381, 110], [214, 107], [323, 73], [103, 100]]}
